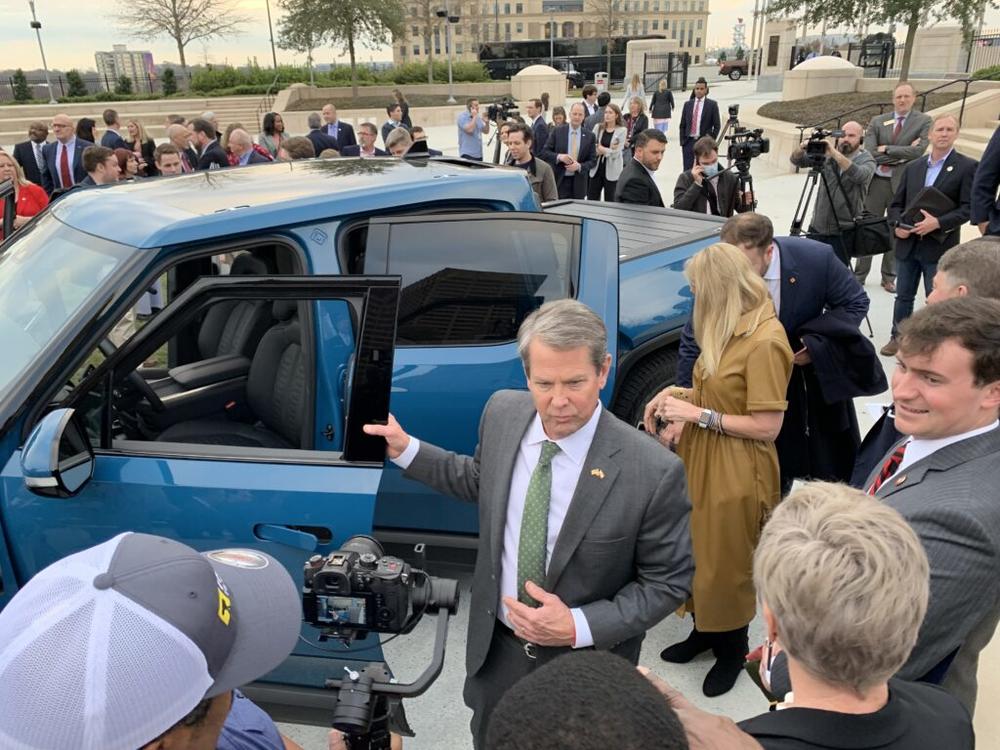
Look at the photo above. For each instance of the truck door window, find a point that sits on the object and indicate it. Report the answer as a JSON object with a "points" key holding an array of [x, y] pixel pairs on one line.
{"points": [[474, 282]]}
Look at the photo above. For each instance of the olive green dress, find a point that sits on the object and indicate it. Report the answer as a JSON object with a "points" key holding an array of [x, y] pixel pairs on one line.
{"points": [[733, 482]]}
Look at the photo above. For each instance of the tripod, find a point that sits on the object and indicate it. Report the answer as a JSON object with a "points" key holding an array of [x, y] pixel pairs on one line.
{"points": [[745, 182]]}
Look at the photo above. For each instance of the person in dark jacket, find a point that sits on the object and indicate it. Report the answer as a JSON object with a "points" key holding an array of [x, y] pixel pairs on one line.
{"points": [[211, 155], [85, 130], [843, 582], [636, 183], [806, 280], [706, 187], [699, 117], [143, 147], [635, 122], [662, 106], [112, 137], [320, 140]]}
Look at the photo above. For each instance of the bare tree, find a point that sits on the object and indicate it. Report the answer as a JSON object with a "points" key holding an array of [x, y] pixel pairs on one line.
{"points": [[607, 19], [184, 21]]}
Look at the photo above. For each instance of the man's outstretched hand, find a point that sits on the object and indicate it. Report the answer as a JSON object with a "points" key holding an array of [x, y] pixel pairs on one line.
{"points": [[396, 440]]}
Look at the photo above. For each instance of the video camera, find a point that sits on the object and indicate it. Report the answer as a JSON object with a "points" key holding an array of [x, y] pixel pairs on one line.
{"points": [[746, 144], [815, 149], [359, 589], [503, 108]]}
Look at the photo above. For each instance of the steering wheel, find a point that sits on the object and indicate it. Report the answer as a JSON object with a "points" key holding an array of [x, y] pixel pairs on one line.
{"points": [[135, 379]]}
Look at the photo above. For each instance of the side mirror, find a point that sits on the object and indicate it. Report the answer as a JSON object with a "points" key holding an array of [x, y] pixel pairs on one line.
{"points": [[57, 460]]}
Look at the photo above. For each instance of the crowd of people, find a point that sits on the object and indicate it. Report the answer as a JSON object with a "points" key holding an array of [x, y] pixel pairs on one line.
{"points": [[876, 576]]}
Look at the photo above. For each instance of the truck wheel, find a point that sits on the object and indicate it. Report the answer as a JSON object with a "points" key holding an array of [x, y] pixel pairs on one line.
{"points": [[654, 373], [735, 74]]}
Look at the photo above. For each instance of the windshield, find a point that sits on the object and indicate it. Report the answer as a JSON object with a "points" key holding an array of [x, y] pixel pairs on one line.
{"points": [[46, 276]]}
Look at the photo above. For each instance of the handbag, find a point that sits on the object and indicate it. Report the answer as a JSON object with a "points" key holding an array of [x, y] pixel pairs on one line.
{"points": [[870, 235]]}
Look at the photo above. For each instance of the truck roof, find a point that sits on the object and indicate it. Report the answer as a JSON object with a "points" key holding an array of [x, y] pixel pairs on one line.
{"points": [[643, 229], [203, 205]]}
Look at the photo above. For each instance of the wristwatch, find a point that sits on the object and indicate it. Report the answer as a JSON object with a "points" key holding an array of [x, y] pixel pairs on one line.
{"points": [[705, 418]]}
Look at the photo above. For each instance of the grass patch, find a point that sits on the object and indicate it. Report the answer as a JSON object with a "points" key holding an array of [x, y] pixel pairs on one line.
{"points": [[367, 101], [812, 111]]}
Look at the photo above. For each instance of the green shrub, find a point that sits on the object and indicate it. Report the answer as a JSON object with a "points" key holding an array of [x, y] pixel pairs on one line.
{"points": [[123, 86], [169, 81], [22, 93], [75, 83], [991, 73]]}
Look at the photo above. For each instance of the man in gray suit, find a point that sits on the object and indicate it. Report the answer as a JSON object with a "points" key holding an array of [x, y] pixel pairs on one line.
{"points": [[583, 521], [894, 140]]}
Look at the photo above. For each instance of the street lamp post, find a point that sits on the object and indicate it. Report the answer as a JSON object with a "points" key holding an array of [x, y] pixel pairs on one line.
{"points": [[37, 26], [449, 19], [270, 30]]}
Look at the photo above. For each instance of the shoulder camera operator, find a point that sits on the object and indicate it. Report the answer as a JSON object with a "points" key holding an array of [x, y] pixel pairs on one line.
{"points": [[846, 172], [707, 187]]}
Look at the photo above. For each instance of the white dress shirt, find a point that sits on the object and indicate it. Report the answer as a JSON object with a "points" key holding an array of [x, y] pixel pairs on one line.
{"points": [[566, 467], [773, 278], [917, 449]]}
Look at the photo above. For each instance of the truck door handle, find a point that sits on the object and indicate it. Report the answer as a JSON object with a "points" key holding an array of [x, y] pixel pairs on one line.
{"points": [[287, 535]]}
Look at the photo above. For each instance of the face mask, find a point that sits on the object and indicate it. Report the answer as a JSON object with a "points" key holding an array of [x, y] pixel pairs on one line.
{"points": [[711, 169]]}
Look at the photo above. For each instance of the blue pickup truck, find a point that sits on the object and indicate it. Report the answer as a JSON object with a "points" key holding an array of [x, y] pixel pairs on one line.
{"points": [[300, 300]]}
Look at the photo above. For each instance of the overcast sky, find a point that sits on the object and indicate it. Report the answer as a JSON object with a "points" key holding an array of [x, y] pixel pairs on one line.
{"points": [[73, 30]]}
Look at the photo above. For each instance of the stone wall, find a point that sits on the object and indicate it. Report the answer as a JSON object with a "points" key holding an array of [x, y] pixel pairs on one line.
{"points": [[341, 95]]}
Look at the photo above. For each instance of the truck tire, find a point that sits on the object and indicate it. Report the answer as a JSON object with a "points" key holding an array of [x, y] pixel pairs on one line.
{"points": [[735, 74], [654, 373]]}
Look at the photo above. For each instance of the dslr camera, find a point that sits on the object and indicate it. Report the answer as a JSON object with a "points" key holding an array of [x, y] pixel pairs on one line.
{"points": [[815, 150], [503, 108], [359, 589], [746, 144]]}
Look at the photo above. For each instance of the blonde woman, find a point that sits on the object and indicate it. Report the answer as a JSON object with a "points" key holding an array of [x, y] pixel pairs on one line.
{"points": [[662, 106], [29, 198], [635, 122], [143, 147], [610, 138], [633, 90], [724, 428]]}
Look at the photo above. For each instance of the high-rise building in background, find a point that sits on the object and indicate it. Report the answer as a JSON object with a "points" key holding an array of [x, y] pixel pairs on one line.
{"points": [[495, 21], [138, 66]]}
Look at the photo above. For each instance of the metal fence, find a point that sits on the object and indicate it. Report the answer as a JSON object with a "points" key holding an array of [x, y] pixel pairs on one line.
{"points": [[877, 58], [672, 67], [984, 51], [92, 83]]}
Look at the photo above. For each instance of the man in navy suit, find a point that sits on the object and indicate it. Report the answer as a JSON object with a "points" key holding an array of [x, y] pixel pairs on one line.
{"points": [[341, 132], [572, 152], [919, 248], [367, 133], [806, 281], [63, 159], [318, 134], [112, 137], [539, 128], [241, 144], [29, 153], [210, 153], [699, 118], [418, 134], [985, 206]]}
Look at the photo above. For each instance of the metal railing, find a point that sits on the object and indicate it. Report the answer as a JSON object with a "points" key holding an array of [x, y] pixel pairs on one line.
{"points": [[267, 102]]}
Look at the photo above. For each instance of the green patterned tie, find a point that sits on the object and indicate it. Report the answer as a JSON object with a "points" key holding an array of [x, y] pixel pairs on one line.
{"points": [[535, 524]]}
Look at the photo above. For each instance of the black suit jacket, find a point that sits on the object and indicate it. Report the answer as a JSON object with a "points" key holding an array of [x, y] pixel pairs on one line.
{"points": [[355, 150], [539, 136], [256, 158], [345, 136], [690, 196], [955, 181], [50, 176], [558, 143], [112, 140], [985, 206], [917, 716], [636, 186], [24, 154], [213, 154], [148, 150], [321, 140], [709, 124]]}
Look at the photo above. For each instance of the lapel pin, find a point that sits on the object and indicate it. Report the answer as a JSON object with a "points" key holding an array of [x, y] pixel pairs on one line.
{"points": [[791, 279], [901, 480], [948, 169], [597, 473], [889, 122]]}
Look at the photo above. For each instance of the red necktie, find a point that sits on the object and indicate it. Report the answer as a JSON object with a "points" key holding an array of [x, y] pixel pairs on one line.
{"points": [[694, 118], [64, 175], [888, 468], [895, 130]]}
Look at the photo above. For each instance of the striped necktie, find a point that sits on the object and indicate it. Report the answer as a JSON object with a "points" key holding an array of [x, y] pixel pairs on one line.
{"points": [[888, 468]]}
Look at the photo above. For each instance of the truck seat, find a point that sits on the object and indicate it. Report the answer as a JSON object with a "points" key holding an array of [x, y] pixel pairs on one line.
{"points": [[276, 394], [235, 326]]}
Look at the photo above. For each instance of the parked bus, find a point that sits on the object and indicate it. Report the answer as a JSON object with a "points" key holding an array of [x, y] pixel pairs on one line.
{"points": [[580, 59]]}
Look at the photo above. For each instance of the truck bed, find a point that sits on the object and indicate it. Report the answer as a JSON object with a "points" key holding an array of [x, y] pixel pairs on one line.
{"points": [[643, 229]]}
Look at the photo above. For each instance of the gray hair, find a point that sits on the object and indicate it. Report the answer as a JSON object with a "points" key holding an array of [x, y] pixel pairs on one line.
{"points": [[563, 325], [975, 265], [847, 581], [397, 136], [209, 115], [314, 121]]}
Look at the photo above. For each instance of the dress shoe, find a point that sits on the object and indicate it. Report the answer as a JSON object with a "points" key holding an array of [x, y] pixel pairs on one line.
{"points": [[890, 349], [730, 649], [890, 286], [686, 650]]}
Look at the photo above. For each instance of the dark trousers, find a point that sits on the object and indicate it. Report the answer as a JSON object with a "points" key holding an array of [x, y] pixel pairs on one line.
{"points": [[600, 182], [908, 273], [567, 188], [880, 195], [687, 151]]}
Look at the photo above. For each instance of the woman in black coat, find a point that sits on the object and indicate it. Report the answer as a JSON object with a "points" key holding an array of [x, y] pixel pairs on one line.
{"points": [[635, 122], [143, 147], [662, 106]]}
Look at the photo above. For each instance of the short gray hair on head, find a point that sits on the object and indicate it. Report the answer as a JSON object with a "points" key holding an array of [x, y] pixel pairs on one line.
{"points": [[314, 121], [975, 265], [563, 325], [397, 136], [847, 580]]}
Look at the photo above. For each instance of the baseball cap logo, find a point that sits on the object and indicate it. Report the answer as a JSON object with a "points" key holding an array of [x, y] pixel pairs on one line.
{"points": [[225, 607], [239, 558]]}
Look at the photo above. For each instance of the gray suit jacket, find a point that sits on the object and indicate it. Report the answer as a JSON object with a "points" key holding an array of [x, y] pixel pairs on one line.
{"points": [[900, 153], [624, 551], [952, 500]]}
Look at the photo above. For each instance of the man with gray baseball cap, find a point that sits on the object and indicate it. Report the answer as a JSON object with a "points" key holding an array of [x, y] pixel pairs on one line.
{"points": [[140, 642]]}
